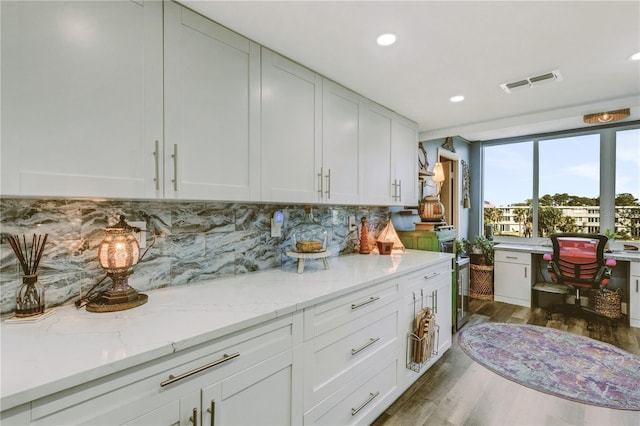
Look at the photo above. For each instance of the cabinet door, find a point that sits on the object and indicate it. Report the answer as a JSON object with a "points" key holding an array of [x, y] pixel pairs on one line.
{"points": [[376, 154], [512, 283], [81, 98], [212, 79], [430, 287], [340, 145], [442, 297], [404, 162], [634, 295], [291, 108], [513, 278], [260, 395]]}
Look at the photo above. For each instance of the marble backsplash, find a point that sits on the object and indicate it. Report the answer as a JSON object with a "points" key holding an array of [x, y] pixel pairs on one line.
{"points": [[196, 241]]}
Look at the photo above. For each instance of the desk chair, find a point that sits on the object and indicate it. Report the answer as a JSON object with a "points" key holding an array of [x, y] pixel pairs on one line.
{"points": [[578, 262]]}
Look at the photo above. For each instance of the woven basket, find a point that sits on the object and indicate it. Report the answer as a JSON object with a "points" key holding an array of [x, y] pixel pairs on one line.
{"points": [[606, 302], [481, 282]]}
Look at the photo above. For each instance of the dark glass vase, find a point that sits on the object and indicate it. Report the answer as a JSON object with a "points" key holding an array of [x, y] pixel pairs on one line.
{"points": [[29, 297]]}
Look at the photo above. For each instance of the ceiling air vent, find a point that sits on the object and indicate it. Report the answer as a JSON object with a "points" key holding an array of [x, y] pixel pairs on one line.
{"points": [[532, 81]]}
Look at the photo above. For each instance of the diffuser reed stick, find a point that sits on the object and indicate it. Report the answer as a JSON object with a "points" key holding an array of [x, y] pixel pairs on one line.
{"points": [[29, 258]]}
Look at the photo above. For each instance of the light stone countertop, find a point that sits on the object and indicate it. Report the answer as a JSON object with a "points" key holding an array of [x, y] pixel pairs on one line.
{"points": [[73, 346]]}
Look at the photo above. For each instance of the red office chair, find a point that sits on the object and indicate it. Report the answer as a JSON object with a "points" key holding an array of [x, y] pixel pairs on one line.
{"points": [[578, 262]]}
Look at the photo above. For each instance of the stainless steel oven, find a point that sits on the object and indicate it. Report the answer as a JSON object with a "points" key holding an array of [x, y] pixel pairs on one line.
{"points": [[461, 306]]}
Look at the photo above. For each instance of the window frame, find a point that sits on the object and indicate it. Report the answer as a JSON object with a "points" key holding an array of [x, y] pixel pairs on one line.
{"points": [[607, 173]]}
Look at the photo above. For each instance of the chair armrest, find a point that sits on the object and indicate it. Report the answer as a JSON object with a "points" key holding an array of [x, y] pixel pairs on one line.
{"points": [[547, 256], [610, 262]]}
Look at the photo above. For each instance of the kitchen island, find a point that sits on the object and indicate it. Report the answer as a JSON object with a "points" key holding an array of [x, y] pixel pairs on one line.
{"points": [[56, 364]]}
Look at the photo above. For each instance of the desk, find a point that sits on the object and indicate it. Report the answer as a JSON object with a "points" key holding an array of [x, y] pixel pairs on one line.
{"points": [[626, 256], [628, 268]]}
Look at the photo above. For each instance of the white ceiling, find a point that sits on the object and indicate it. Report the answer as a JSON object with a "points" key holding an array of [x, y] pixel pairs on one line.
{"points": [[446, 48]]}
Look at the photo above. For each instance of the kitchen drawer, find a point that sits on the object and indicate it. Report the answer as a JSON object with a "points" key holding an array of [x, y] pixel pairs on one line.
{"points": [[98, 401], [336, 357], [428, 276], [512, 257], [364, 399], [326, 316]]}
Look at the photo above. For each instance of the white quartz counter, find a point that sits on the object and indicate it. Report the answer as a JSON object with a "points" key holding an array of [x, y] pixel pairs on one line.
{"points": [[74, 346]]}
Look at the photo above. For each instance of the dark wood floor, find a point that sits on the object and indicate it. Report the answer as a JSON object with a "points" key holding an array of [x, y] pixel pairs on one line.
{"points": [[459, 391]]}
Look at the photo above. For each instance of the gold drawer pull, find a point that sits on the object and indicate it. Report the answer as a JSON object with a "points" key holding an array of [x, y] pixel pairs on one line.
{"points": [[354, 411], [433, 275], [365, 346], [194, 418], [173, 379], [212, 412], [366, 302]]}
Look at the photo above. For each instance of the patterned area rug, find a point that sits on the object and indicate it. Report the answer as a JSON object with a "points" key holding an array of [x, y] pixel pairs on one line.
{"points": [[557, 362]]}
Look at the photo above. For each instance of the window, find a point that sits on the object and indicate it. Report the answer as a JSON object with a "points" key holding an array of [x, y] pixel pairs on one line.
{"points": [[508, 186], [569, 181], [534, 186], [627, 208]]}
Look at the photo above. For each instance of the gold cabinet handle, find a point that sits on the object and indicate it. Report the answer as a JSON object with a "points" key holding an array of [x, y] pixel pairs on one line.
{"points": [[175, 167], [212, 411], [320, 182], [395, 190], [366, 302], [328, 177], [372, 396], [365, 346], [156, 154], [194, 417], [173, 379]]}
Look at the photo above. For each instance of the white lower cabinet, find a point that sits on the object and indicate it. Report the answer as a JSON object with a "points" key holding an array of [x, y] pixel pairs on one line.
{"points": [[366, 397], [429, 287], [351, 356], [229, 381], [634, 294], [513, 278], [341, 361]]}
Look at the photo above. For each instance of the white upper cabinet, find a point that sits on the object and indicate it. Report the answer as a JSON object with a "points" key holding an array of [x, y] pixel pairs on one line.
{"points": [[388, 156], [212, 110], [291, 114], [340, 170], [148, 99], [81, 98], [404, 162], [375, 127]]}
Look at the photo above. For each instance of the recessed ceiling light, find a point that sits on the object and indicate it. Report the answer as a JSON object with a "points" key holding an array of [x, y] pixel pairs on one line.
{"points": [[635, 57], [457, 98], [386, 39]]}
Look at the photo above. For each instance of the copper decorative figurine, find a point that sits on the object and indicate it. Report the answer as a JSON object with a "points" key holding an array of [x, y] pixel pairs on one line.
{"points": [[365, 247]]}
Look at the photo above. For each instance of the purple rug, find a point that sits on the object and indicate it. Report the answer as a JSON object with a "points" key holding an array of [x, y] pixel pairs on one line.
{"points": [[556, 362]]}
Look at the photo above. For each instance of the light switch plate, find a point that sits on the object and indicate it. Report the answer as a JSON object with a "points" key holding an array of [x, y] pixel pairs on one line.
{"points": [[352, 223]]}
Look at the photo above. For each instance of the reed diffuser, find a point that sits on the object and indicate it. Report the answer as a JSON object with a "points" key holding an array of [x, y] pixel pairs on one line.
{"points": [[30, 295]]}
